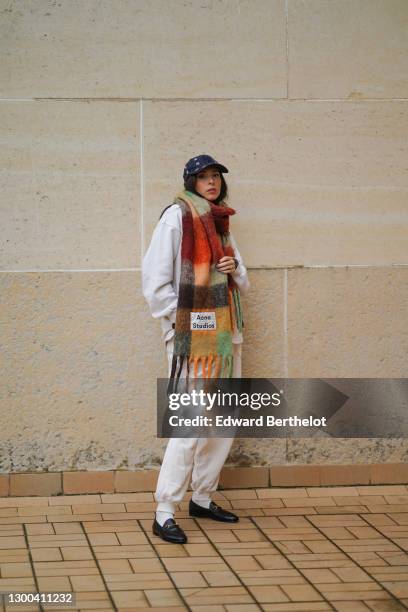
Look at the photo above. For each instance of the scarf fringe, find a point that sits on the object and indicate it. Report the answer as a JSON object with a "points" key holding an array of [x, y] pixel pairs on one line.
{"points": [[238, 309], [212, 368]]}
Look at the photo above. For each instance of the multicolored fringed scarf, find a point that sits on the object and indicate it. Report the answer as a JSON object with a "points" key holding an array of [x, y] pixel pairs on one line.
{"points": [[209, 304]]}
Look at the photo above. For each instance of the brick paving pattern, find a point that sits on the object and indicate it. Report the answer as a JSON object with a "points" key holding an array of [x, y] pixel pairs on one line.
{"points": [[294, 549]]}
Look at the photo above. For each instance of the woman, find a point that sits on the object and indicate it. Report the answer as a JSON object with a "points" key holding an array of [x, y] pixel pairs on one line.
{"points": [[193, 268]]}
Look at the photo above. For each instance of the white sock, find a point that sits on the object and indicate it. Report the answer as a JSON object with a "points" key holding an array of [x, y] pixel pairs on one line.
{"points": [[161, 517], [204, 502]]}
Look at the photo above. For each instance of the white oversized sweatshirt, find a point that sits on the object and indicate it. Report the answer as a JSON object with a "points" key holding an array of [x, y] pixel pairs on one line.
{"points": [[161, 269]]}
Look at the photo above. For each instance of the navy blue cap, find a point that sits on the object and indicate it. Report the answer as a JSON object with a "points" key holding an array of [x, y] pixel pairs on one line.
{"points": [[199, 163]]}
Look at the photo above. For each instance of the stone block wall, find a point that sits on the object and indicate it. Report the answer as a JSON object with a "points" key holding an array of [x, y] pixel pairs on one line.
{"points": [[101, 104]]}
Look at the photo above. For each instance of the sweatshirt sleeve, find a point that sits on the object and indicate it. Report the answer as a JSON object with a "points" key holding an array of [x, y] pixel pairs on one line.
{"points": [[240, 274], [158, 269]]}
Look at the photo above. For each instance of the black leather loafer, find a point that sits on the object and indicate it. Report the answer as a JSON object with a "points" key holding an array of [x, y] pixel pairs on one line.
{"points": [[171, 531], [214, 512]]}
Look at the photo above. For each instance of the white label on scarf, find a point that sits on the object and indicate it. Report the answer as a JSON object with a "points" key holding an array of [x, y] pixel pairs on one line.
{"points": [[202, 320]]}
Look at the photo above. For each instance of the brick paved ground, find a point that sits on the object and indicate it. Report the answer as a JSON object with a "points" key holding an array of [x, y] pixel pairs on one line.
{"points": [[310, 549]]}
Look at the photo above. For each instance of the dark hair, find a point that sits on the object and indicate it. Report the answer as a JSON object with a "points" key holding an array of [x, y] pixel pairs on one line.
{"points": [[191, 181]]}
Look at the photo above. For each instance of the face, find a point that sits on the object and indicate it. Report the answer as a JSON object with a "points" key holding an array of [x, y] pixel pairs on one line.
{"points": [[208, 183]]}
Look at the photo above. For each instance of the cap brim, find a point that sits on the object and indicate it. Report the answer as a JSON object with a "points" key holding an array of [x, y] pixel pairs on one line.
{"points": [[220, 166]]}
